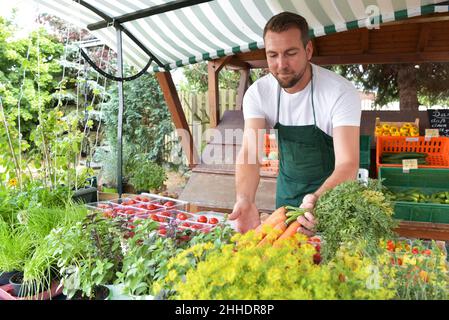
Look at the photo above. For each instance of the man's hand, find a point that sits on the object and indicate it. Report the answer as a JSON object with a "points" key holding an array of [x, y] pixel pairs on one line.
{"points": [[246, 214], [307, 221]]}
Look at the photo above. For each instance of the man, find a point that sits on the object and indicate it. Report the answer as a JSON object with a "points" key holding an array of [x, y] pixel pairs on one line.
{"points": [[317, 116]]}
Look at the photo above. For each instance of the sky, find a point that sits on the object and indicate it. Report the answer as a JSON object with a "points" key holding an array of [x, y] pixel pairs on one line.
{"points": [[25, 15]]}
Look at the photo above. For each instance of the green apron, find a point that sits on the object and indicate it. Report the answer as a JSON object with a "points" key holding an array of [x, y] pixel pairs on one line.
{"points": [[306, 159]]}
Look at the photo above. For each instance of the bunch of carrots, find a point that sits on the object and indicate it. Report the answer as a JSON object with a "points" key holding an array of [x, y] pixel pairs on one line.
{"points": [[284, 223]]}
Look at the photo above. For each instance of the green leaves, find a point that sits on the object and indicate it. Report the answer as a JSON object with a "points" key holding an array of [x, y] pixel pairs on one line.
{"points": [[353, 213], [146, 175]]}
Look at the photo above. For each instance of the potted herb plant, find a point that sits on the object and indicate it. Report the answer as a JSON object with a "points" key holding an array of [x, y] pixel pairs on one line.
{"points": [[15, 247], [146, 175], [88, 255], [38, 270]]}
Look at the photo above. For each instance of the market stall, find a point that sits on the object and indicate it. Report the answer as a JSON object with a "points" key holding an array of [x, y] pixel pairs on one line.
{"points": [[150, 247]]}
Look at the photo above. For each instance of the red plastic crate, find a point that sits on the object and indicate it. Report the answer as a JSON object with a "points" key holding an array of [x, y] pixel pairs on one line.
{"points": [[436, 148]]}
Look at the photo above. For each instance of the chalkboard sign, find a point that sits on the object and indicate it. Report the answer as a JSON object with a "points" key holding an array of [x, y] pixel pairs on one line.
{"points": [[439, 119]]}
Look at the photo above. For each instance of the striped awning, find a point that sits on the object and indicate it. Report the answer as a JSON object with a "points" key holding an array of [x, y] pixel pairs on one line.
{"points": [[224, 27]]}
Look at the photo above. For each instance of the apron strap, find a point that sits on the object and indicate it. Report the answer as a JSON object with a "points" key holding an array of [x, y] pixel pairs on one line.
{"points": [[313, 105], [279, 100], [278, 103]]}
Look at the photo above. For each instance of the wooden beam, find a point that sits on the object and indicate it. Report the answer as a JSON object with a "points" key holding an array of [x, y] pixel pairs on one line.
{"points": [[424, 33], [385, 58], [423, 230], [258, 64], [179, 119], [236, 64], [213, 69], [243, 86], [365, 40], [258, 54]]}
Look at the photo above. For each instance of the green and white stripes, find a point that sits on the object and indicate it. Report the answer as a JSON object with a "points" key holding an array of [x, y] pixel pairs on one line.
{"points": [[225, 27]]}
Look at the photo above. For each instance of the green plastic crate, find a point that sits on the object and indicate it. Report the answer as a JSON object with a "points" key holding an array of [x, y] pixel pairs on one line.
{"points": [[365, 152], [428, 181]]}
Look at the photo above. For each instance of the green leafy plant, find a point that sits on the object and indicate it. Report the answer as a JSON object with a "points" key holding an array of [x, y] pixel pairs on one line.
{"points": [[146, 119], [15, 247], [354, 213], [146, 255], [88, 254], [146, 175], [40, 221], [20, 65], [39, 266]]}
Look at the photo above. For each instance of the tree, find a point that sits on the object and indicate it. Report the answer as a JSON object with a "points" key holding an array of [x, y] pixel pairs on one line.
{"points": [[410, 84], [197, 76], [29, 71]]}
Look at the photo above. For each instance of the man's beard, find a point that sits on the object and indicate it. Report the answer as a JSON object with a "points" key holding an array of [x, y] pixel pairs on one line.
{"points": [[289, 83]]}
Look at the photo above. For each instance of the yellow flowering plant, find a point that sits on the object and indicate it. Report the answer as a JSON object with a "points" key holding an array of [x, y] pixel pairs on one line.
{"points": [[244, 270]]}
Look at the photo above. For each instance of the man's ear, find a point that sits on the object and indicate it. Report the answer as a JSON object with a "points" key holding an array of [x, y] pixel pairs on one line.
{"points": [[309, 50]]}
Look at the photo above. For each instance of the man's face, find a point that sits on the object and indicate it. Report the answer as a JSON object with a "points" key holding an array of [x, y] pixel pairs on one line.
{"points": [[286, 56]]}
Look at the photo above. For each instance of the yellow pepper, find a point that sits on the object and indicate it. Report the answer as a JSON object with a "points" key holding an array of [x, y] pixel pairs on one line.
{"points": [[393, 130], [386, 127], [404, 130], [407, 125]]}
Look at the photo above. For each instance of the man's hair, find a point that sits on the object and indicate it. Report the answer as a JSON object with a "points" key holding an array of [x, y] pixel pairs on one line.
{"points": [[285, 21]]}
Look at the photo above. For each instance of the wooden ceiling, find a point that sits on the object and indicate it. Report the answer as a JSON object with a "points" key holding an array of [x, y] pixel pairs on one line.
{"points": [[415, 40]]}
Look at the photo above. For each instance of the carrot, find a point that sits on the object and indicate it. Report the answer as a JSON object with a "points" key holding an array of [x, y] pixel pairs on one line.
{"points": [[288, 233], [278, 229], [277, 216]]}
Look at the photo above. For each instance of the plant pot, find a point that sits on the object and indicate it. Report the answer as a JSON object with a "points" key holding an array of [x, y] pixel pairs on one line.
{"points": [[100, 293], [86, 195], [16, 283], [5, 276], [21, 290]]}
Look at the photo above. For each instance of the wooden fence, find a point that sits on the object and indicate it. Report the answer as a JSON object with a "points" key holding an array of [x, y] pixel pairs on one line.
{"points": [[196, 110]]}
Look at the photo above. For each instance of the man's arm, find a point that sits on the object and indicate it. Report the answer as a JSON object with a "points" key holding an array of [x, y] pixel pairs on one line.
{"points": [[247, 176], [248, 162], [347, 153]]}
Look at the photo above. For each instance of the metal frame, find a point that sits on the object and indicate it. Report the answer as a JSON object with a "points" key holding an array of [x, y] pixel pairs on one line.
{"points": [[116, 23], [170, 6]]}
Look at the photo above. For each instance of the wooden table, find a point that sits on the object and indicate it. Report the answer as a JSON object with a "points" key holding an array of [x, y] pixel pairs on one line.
{"points": [[408, 229], [423, 230]]}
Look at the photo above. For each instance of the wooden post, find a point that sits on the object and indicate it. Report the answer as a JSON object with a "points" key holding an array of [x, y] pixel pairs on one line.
{"points": [[213, 69], [178, 116], [243, 86]]}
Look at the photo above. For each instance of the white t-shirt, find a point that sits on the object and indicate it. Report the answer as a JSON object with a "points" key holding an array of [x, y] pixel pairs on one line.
{"points": [[336, 100]]}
